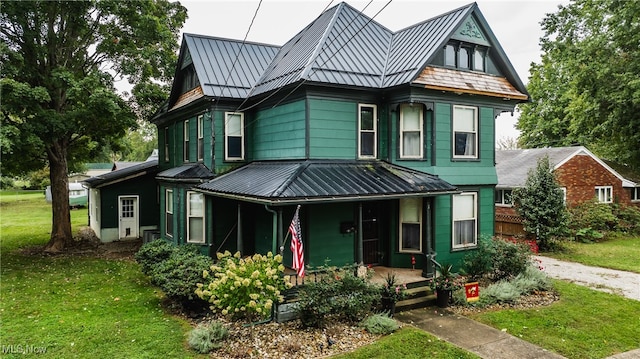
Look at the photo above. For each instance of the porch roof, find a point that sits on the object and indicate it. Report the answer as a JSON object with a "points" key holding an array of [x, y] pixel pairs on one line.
{"points": [[293, 182], [119, 175], [187, 173]]}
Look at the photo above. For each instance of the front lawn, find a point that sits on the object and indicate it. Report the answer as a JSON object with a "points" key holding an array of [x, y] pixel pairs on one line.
{"points": [[621, 252], [584, 323]]}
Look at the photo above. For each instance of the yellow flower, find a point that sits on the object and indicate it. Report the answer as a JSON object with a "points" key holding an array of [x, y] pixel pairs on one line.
{"points": [[278, 258], [259, 310], [252, 303], [237, 254], [254, 296], [205, 273], [281, 268], [269, 255], [225, 312], [255, 274], [246, 282]]}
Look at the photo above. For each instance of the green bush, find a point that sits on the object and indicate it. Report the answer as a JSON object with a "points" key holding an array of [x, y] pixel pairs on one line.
{"points": [[497, 259], [532, 279], [243, 287], [628, 219], [508, 291], [205, 338], [380, 324], [500, 292], [152, 253], [591, 214], [341, 294]]}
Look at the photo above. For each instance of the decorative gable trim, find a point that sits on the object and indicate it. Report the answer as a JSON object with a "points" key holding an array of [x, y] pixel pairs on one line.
{"points": [[469, 31]]}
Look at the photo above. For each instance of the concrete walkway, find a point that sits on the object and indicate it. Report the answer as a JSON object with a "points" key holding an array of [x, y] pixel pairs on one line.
{"points": [[491, 343], [607, 280]]}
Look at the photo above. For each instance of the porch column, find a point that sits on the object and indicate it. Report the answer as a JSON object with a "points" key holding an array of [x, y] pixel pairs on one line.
{"points": [[359, 240], [280, 232], [239, 243]]}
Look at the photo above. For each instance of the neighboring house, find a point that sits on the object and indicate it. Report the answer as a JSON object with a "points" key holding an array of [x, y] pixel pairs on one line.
{"points": [[77, 195], [123, 203], [581, 175], [385, 139]]}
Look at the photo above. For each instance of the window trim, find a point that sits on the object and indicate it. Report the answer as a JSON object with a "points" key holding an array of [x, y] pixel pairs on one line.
{"points": [[602, 190], [635, 194], [401, 249], [167, 156], [503, 193], [374, 131], [168, 212], [473, 244], [421, 130], [189, 216], [200, 150], [226, 137], [185, 130], [453, 133]]}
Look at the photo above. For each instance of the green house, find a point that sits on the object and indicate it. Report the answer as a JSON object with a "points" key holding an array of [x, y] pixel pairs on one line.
{"points": [[384, 139]]}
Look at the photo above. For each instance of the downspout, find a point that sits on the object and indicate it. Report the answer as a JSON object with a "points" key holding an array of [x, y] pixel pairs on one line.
{"points": [[274, 229], [359, 249], [239, 243]]}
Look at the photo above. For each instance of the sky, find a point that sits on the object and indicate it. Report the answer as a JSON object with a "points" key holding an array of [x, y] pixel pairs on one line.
{"points": [[515, 23]]}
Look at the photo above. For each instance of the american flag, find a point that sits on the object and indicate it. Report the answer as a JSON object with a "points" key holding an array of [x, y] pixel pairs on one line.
{"points": [[296, 244]]}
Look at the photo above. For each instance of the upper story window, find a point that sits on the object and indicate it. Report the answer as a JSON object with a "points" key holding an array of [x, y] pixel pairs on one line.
{"points": [[411, 225], [465, 220], [467, 57], [367, 127], [411, 127], [186, 141], [465, 132], [166, 144], [604, 194], [234, 136], [502, 197], [200, 138]]}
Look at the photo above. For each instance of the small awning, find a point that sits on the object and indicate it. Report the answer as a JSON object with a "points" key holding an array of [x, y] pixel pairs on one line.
{"points": [[196, 172], [295, 182]]}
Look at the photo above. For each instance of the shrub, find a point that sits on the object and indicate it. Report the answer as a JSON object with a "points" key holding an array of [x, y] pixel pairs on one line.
{"points": [[152, 253], [380, 323], [243, 287], [341, 293], [479, 262], [179, 274], [500, 292], [532, 279], [508, 291], [205, 338], [497, 259], [628, 219], [593, 216]]}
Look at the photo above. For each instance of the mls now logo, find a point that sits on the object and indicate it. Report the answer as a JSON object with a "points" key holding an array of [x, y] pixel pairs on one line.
{"points": [[23, 349]]}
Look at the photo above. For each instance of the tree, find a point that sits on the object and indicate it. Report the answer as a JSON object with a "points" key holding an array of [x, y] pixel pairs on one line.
{"points": [[586, 90], [540, 203], [60, 60]]}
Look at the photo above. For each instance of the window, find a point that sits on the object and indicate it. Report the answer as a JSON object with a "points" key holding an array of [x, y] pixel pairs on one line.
{"points": [[234, 136], [186, 141], [502, 197], [564, 195], [604, 194], [450, 55], [411, 225], [168, 208], [465, 56], [411, 131], [464, 220], [195, 217], [200, 138], [367, 127], [478, 60], [465, 136], [166, 144], [635, 194]]}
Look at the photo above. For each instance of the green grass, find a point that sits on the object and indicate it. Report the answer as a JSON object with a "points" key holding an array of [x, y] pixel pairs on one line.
{"points": [[583, 324], [408, 343], [620, 252], [75, 306]]}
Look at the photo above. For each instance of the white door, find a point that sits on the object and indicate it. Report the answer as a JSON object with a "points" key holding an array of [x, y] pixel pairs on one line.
{"points": [[128, 217]]}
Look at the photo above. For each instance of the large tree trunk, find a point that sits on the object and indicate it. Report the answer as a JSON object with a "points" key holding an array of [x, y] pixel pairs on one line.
{"points": [[61, 236]]}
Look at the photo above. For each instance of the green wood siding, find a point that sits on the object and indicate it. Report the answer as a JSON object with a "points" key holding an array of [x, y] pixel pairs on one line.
{"points": [[144, 188], [323, 238], [333, 129], [279, 133]]}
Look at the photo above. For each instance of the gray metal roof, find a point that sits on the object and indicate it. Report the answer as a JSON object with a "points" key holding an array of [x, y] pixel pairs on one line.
{"points": [[190, 172], [286, 182], [136, 170], [213, 59]]}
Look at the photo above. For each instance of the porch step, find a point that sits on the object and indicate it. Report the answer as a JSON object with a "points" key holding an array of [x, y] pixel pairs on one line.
{"points": [[419, 295]]}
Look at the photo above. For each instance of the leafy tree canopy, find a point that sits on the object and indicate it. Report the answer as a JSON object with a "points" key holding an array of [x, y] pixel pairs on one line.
{"points": [[60, 60], [586, 90]]}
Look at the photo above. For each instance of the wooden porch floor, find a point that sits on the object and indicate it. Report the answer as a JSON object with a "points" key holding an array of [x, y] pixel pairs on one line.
{"points": [[403, 275]]}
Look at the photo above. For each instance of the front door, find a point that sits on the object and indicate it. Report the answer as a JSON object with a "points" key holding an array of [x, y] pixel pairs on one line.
{"points": [[370, 234], [128, 217]]}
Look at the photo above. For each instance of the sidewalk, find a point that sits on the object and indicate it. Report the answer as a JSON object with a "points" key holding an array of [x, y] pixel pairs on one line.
{"points": [[473, 336]]}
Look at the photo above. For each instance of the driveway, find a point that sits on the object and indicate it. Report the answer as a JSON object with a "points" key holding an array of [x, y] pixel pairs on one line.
{"points": [[607, 280]]}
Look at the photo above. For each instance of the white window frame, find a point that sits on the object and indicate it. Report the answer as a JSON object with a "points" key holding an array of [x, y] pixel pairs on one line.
{"points": [[474, 132], [374, 131], [635, 194], [402, 132], [401, 221], [564, 195], [185, 130], [200, 138], [168, 215], [601, 194], [474, 217], [502, 194], [226, 137], [191, 215], [166, 145]]}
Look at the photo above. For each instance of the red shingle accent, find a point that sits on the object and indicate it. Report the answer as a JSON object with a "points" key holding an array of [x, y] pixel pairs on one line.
{"points": [[437, 78], [188, 97]]}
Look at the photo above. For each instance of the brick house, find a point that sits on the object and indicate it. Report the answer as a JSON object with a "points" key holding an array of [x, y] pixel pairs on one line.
{"points": [[581, 174]]}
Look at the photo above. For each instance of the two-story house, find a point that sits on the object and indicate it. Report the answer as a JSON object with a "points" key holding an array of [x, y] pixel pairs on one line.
{"points": [[384, 139]]}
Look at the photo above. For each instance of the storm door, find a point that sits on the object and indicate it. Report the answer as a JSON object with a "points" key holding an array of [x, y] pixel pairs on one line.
{"points": [[128, 217], [371, 234]]}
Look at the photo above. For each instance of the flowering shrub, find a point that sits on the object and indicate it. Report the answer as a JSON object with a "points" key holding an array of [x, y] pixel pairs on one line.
{"points": [[244, 287], [392, 290], [447, 280]]}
